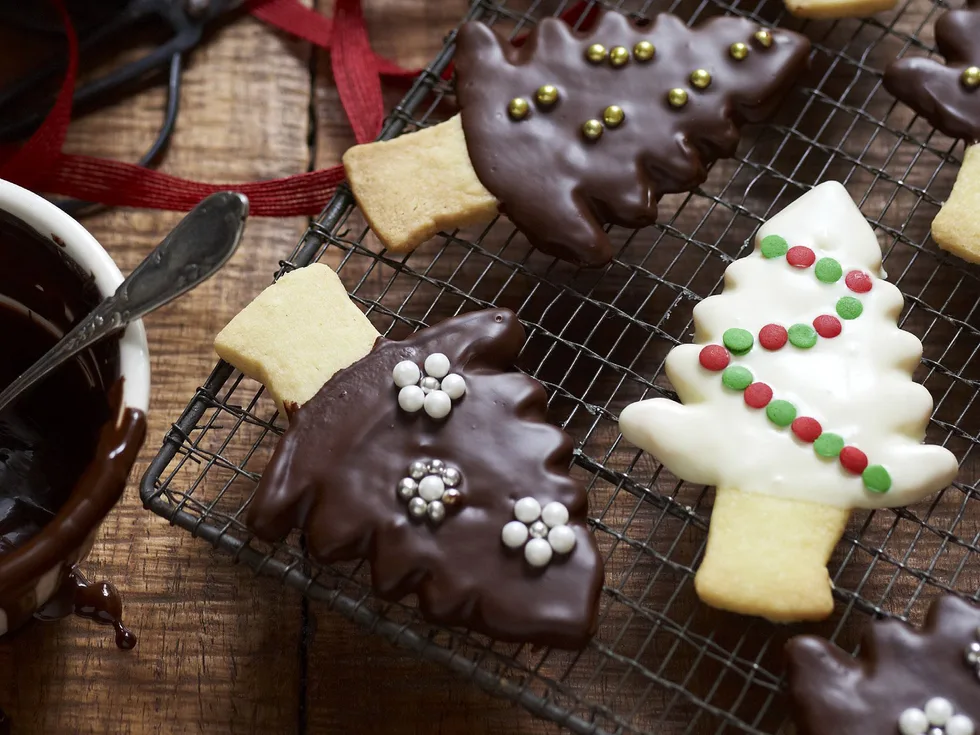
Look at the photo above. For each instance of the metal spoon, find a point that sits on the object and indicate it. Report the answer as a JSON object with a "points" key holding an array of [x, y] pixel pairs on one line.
{"points": [[194, 250]]}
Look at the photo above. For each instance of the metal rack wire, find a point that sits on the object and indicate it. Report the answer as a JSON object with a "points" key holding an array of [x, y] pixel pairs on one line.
{"points": [[661, 662]]}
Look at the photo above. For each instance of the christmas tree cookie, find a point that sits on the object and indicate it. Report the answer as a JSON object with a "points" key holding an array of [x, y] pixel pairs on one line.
{"points": [[430, 457], [797, 403], [905, 682], [948, 96], [573, 130]]}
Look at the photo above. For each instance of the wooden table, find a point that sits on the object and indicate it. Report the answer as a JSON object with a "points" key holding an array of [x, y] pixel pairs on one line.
{"points": [[221, 651]]}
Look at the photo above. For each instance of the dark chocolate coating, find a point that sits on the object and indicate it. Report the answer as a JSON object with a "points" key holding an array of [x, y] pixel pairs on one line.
{"points": [[935, 90], [898, 668], [335, 472], [559, 188]]}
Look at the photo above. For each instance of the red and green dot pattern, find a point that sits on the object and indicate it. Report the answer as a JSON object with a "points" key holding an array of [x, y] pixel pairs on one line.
{"points": [[773, 337]]}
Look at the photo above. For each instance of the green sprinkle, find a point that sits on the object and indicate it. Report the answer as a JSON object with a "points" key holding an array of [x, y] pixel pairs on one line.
{"points": [[739, 341], [774, 246], [828, 270], [828, 445], [736, 377], [849, 307], [803, 336], [876, 479], [781, 413]]}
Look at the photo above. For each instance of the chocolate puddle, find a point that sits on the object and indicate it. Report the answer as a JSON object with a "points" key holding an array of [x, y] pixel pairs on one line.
{"points": [[67, 446], [98, 601]]}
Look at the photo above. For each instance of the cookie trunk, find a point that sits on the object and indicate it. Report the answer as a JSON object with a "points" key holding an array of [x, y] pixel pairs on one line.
{"points": [[767, 556], [411, 187], [956, 228]]}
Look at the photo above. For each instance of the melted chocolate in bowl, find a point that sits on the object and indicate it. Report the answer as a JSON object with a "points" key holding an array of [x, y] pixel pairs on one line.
{"points": [[66, 446]]}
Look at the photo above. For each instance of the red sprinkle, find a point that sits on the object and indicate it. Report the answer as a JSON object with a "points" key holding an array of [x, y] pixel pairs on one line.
{"points": [[858, 281], [714, 357], [758, 395], [853, 460], [806, 429], [772, 336], [800, 257], [827, 326]]}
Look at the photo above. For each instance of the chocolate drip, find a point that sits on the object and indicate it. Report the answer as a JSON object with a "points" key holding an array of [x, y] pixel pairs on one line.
{"points": [[557, 186], [937, 91], [899, 668], [336, 472], [99, 602]]}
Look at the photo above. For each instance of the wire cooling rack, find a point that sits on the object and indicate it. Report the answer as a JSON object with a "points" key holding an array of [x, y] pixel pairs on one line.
{"points": [[661, 661]]}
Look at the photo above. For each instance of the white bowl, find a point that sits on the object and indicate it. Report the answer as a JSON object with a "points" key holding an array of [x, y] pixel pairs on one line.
{"points": [[24, 590]]}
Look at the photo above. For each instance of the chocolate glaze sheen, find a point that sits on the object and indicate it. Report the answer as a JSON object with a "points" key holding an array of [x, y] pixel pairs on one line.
{"points": [[935, 90], [898, 668], [336, 470], [560, 188]]}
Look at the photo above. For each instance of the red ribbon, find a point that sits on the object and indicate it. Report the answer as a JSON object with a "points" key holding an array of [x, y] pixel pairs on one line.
{"points": [[41, 165]]}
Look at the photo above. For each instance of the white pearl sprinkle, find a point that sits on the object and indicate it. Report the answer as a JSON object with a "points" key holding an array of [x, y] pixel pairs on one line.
{"points": [[431, 488], [406, 373], [537, 552], [527, 510], [411, 398], [454, 385], [938, 710], [960, 725], [913, 722], [561, 539], [514, 534], [437, 365], [437, 404], [554, 514]]}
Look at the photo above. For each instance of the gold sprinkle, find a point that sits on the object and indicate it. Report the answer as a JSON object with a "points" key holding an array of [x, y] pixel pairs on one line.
{"points": [[700, 78], [619, 55], [592, 129], [613, 116], [518, 108], [596, 53], [644, 51], [677, 97], [971, 77], [739, 51], [546, 95], [764, 37]]}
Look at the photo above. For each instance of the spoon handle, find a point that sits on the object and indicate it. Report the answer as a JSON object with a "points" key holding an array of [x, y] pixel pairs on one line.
{"points": [[194, 250]]}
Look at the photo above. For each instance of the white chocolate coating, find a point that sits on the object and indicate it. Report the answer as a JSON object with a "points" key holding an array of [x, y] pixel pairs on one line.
{"points": [[857, 385]]}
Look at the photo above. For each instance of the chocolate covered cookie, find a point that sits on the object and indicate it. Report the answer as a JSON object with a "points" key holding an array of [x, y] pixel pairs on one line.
{"points": [[904, 682], [948, 96], [430, 457], [574, 130]]}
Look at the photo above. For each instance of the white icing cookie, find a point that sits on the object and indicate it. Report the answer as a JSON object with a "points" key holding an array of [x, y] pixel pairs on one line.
{"points": [[841, 379]]}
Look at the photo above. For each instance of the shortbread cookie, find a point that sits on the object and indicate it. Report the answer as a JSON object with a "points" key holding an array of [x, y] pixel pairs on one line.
{"points": [[838, 8], [296, 334], [798, 405], [905, 682], [430, 457], [948, 96], [573, 130]]}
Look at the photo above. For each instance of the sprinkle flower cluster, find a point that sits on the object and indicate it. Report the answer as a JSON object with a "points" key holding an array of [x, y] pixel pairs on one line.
{"points": [[434, 392], [938, 717], [774, 337], [543, 532], [430, 489]]}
